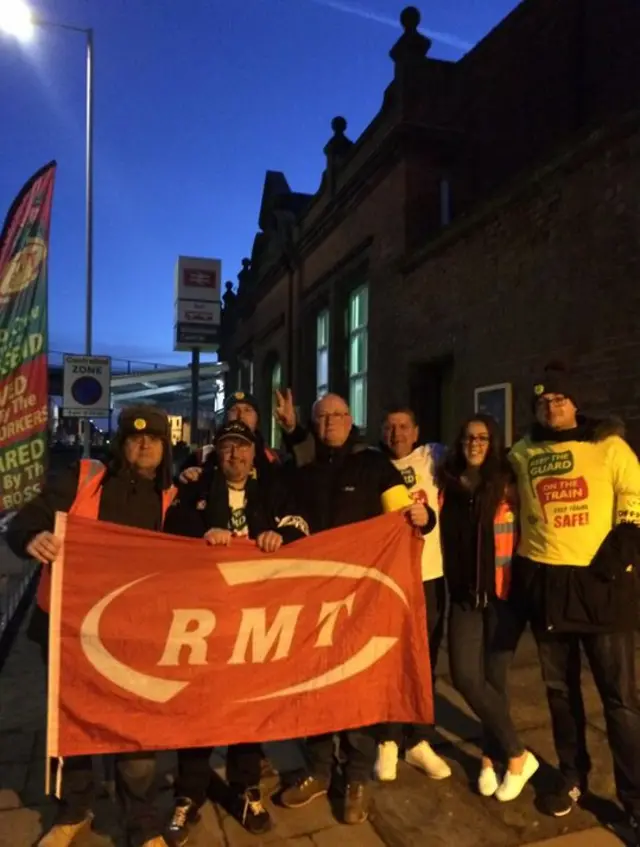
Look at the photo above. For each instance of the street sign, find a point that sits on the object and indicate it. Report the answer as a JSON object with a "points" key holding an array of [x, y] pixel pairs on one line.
{"points": [[197, 302], [190, 336], [198, 312], [198, 279], [86, 386]]}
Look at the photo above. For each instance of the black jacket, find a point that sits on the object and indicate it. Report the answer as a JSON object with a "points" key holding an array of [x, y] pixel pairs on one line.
{"points": [[126, 499], [336, 487], [468, 548], [204, 505], [595, 599]]}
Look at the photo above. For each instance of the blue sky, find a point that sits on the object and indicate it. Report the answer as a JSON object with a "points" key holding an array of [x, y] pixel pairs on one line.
{"points": [[194, 101]]}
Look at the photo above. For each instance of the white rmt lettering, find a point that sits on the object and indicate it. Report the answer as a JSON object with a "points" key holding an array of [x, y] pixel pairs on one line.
{"points": [[254, 629], [329, 617], [183, 634]]}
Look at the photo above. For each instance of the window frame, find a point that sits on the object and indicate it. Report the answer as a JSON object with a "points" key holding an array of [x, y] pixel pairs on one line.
{"points": [[361, 329]]}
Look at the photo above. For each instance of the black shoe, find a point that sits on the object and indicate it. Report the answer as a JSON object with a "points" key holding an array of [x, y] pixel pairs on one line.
{"points": [[634, 826], [185, 813], [254, 817], [561, 802]]}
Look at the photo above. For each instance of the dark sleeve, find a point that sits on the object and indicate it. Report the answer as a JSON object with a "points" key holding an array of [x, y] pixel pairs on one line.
{"points": [[388, 475], [288, 519], [183, 517], [301, 445], [39, 514], [431, 522]]}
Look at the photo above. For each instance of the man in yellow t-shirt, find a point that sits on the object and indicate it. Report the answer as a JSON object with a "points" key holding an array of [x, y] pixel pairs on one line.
{"points": [[574, 579]]}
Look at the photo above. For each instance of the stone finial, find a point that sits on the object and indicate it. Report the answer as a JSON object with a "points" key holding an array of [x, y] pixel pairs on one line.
{"points": [[244, 277], [338, 145], [412, 47], [229, 296]]}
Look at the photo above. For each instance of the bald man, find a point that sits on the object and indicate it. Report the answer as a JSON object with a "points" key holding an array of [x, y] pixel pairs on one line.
{"points": [[339, 480]]}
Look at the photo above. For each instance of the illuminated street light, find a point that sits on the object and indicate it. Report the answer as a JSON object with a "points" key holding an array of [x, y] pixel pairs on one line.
{"points": [[16, 19]]}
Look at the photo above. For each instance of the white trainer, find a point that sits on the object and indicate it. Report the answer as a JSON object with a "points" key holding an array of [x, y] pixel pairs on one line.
{"points": [[513, 783], [488, 782], [387, 762], [424, 757]]}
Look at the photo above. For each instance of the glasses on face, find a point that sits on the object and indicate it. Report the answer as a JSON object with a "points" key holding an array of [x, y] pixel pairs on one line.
{"points": [[227, 449], [476, 439], [552, 402], [337, 417]]}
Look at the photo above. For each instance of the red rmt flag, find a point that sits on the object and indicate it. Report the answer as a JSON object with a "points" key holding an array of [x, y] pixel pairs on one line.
{"points": [[161, 642]]}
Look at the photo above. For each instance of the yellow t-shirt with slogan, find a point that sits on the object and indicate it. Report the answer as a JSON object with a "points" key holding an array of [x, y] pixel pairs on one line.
{"points": [[572, 493]]}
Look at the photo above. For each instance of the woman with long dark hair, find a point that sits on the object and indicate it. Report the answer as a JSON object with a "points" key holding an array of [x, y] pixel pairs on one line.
{"points": [[478, 532]]}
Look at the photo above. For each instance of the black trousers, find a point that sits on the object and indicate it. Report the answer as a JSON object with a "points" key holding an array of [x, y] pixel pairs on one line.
{"points": [[611, 658], [358, 747], [481, 646], [136, 788], [435, 597], [244, 766]]}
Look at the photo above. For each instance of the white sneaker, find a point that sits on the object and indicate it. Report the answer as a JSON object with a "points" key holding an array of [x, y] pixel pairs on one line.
{"points": [[424, 757], [513, 783], [387, 762], [488, 782]]}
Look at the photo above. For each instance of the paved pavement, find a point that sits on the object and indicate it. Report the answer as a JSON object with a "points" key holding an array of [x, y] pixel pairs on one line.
{"points": [[413, 812]]}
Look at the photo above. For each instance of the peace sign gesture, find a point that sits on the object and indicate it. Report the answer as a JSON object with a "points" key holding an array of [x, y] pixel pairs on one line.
{"points": [[285, 411]]}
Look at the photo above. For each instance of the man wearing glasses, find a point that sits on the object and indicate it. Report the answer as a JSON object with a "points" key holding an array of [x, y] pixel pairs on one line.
{"points": [[339, 480], [575, 579]]}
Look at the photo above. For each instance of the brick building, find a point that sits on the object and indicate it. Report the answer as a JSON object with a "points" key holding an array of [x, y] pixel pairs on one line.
{"points": [[486, 221]]}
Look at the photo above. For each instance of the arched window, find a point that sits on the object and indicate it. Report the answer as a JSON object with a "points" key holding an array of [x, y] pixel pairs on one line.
{"points": [[275, 437]]}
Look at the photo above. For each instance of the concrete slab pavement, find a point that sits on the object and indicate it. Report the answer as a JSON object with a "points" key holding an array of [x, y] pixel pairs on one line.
{"points": [[413, 812]]}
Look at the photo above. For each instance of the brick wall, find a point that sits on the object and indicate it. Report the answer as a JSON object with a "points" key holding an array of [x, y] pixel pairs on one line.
{"points": [[549, 272]]}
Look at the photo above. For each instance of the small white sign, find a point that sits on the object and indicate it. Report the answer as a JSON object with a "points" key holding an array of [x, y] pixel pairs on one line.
{"points": [[198, 312], [198, 279], [86, 386]]}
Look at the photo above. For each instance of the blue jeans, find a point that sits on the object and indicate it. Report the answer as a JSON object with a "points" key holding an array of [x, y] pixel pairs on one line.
{"points": [[481, 645]]}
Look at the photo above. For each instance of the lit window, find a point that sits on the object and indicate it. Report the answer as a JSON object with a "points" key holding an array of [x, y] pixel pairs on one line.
{"points": [[322, 353], [358, 318], [276, 385]]}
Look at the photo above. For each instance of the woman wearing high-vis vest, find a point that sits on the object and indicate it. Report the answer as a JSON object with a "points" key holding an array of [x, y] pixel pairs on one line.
{"points": [[478, 534], [133, 489]]}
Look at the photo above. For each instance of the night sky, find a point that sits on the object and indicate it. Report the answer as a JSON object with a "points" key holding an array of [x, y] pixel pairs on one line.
{"points": [[194, 101]]}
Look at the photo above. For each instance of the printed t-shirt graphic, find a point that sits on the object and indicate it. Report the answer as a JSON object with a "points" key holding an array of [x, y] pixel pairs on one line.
{"points": [[571, 495], [238, 523]]}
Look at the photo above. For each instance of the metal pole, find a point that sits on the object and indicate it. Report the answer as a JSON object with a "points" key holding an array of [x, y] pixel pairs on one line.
{"points": [[89, 222], [195, 394]]}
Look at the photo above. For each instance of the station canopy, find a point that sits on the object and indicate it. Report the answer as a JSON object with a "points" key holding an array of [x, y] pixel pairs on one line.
{"points": [[170, 388]]}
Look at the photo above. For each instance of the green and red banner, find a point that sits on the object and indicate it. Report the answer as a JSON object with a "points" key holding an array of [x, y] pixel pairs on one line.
{"points": [[24, 401]]}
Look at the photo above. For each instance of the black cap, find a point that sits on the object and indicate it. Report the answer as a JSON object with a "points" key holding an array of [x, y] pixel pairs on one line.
{"points": [[555, 379], [241, 397], [144, 420], [235, 429]]}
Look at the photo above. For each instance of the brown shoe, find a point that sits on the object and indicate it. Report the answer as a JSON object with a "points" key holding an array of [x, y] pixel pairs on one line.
{"points": [[303, 792], [355, 803], [64, 834]]}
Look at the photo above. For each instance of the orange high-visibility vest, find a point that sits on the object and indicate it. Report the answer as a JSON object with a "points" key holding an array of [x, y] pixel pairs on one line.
{"points": [[87, 505]]}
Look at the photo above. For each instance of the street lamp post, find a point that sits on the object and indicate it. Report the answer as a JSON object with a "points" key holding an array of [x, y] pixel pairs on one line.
{"points": [[17, 19]]}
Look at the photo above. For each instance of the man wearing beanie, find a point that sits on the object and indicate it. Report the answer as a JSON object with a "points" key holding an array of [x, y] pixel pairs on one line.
{"points": [[574, 579], [132, 489]]}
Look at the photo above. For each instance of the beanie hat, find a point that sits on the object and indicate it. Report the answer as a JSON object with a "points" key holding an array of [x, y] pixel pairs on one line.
{"points": [[144, 419], [555, 379], [241, 397]]}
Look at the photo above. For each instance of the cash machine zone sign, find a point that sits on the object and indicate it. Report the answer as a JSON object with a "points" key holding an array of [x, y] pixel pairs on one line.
{"points": [[87, 386]]}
